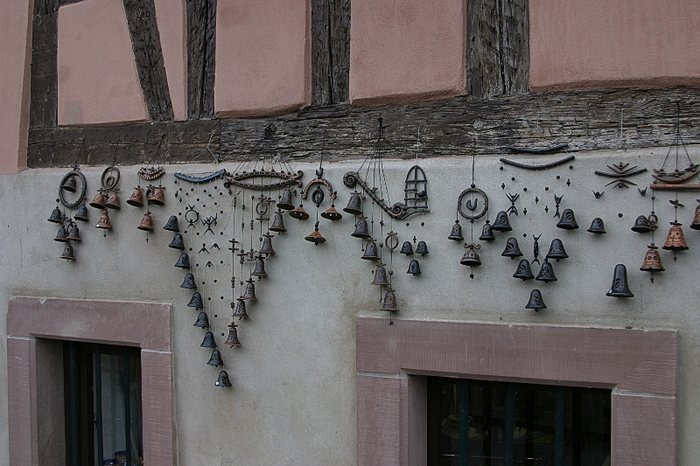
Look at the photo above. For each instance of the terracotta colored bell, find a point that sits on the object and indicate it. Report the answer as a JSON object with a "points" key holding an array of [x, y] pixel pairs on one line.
{"points": [[259, 270], [155, 195], [512, 249], [249, 292], [371, 252], [471, 257], [652, 260], [536, 302], [619, 288], [146, 222], [196, 301], [278, 223], [380, 276], [113, 201], [240, 309], [61, 235], [675, 240], [136, 198], [56, 216], [73, 233], [331, 214], [695, 225], [299, 213], [188, 282], [82, 214], [232, 340], [546, 273], [99, 201], [202, 320], [413, 267], [354, 206], [407, 248], [556, 250], [266, 247], [456, 232], [643, 225], [183, 262], [223, 380], [286, 202], [315, 236], [389, 303], [361, 229], [597, 226], [177, 242], [487, 232], [172, 224], [68, 253], [501, 223], [215, 359], [524, 272], [104, 223], [208, 341], [422, 248], [567, 220]]}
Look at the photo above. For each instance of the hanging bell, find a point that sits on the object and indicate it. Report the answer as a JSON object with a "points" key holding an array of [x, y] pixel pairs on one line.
{"points": [[70, 185], [240, 310], [249, 292], [136, 198], [361, 229], [202, 320], [421, 248], [259, 270], [68, 253], [487, 232], [536, 302], [183, 262], [354, 206], [652, 260], [597, 226], [61, 235], [389, 303], [56, 216], [99, 201], [501, 223], [643, 225], [104, 223], [196, 301], [172, 225], [73, 233], [155, 195], [407, 248], [512, 249], [299, 213], [215, 359], [208, 341], [471, 257], [619, 288], [82, 214], [223, 380], [456, 232], [177, 242], [524, 272], [380, 276], [232, 339], [331, 214], [413, 267], [695, 225], [188, 282], [113, 201], [556, 250], [675, 240], [278, 223], [546, 273], [567, 220], [370, 252], [285, 201], [146, 222], [315, 236], [266, 247]]}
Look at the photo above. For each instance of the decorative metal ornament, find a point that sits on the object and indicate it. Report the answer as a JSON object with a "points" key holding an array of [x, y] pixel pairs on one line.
{"points": [[249, 292], [110, 178], [259, 270], [675, 239], [191, 217], [68, 253], [536, 166], [202, 320], [177, 242], [597, 226], [208, 341], [557, 203], [389, 302], [512, 210], [568, 220], [556, 250], [136, 198], [677, 177], [512, 249], [422, 248], [155, 195], [113, 202], [354, 206], [215, 359], [82, 214], [620, 172], [299, 213], [72, 189], [501, 223], [266, 247], [619, 287], [223, 380], [536, 302], [286, 202], [487, 233], [278, 223], [232, 340], [188, 282], [644, 224], [268, 180], [695, 224], [151, 173], [380, 276], [652, 260], [546, 273], [172, 225], [98, 202], [73, 232], [473, 203], [240, 310], [524, 272], [413, 267], [398, 211], [183, 262], [200, 179], [209, 223], [104, 223], [331, 214], [146, 222], [56, 216], [536, 248], [196, 301], [471, 257], [370, 251], [456, 232], [61, 235], [416, 190], [406, 248], [361, 229], [315, 236]]}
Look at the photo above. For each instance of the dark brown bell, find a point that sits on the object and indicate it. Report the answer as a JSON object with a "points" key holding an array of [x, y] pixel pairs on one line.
{"points": [[104, 223], [61, 235], [70, 185], [215, 359], [354, 206], [249, 292], [240, 309], [524, 272], [82, 214], [413, 267], [172, 225], [380, 276], [232, 339], [422, 248], [113, 201], [99, 201], [177, 242], [471, 257], [146, 222], [136, 198], [73, 233], [188, 282], [266, 247], [675, 240], [331, 214], [370, 252], [652, 260], [285, 201], [259, 270], [536, 302], [501, 223], [361, 229], [456, 232], [389, 303], [512, 249], [556, 250], [56, 216], [183, 262], [487, 232], [208, 341], [223, 380], [315, 237], [196, 301], [299, 213], [155, 195], [695, 225], [619, 288], [202, 320], [567, 220], [546, 273], [643, 225], [597, 226], [407, 248], [68, 253], [278, 223]]}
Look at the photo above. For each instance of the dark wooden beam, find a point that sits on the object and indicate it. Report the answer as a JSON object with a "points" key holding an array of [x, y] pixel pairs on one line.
{"points": [[330, 50], [145, 41], [201, 40], [43, 107], [586, 120]]}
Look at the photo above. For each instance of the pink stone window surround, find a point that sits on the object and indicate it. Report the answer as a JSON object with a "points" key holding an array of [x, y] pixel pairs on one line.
{"points": [[393, 361], [35, 385]]}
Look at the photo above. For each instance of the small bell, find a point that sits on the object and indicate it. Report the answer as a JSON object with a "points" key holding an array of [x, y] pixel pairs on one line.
{"points": [[136, 198], [56, 216], [259, 270], [232, 340], [471, 257], [422, 248], [456, 232], [249, 292], [501, 223], [113, 201], [266, 247], [643, 225], [215, 359], [361, 229], [546, 273], [188, 282], [285, 201], [512, 249], [619, 288], [652, 260], [695, 225], [380, 276], [315, 236], [156, 195], [61, 235], [196, 301], [223, 380], [675, 240], [202, 320], [82, 214], [331, 214], [68, 253], [73, 233], [370, 252], [487, 232], [99, 201], [172, 225], [240, 310], [389, 303], [407, 248], [567, 220], [536, 302], [524, 272], [597, 226], [413, 267], [146, 222], [70, 185], [278, 223], [354, 206], [556, 250], [104, 223], [299, 213], [183, 262], [177, 242], [208, 341]]}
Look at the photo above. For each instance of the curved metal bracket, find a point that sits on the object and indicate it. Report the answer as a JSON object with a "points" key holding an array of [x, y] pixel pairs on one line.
{"points": [[286, 179], [200, 179], [541, 166], [398, 211], [317, 181]]}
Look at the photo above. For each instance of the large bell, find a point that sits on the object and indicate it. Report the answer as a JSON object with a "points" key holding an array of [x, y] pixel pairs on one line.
{"points": [[407, 248], [546, 273], [177, 242], [501, 223], [370, 252], [202, 320], [389, 303], [487, 232], [422, 248], [223, 380], [98, 201], [536, 302], [215, 359], [196, 301], [361, 229], [471, 257], [113, 201], [567, 220], [556, 250], [208, 341], [619, 288], [413, 267], [188, 282], [82, 214], [285, 201], [172, 225], [136, 198], [249, 292], [278, 223], [61, 234], [266, 247], [675, 240], [643, 225], [299, 213], [695, 225], [183, 262], [380, 276], [315, 237], [104, 223], [354, 206], [652, 260], [73, 233], [68, 253], [156, 195], [597, 226], [56, 216], [146, 222], [331, 214], [524, 272], [240, 309], [232, 339], [259, 270], [456, 232], [512, 249]]}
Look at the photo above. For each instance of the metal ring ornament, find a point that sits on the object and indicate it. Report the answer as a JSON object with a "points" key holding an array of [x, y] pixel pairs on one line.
{"points": [[110, 178], [391, 241], [80, 179], [476, 213], [262, 207], [191, 219]]}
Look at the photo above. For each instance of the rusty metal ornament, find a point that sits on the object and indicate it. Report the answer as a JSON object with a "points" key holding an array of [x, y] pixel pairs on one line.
{"points": [[249, 292], [104, 223], [652, 260], [422, 248], [406, 248], [361, 229], [501, 223], [215, 359], [675, 239], [177, 242], [380, 276], [597, 226], [536, 302], [299, 213], [546, 273], [188, 282], [315, 236], [68, 253], [232, 339], [370, 251], [524, 272], [695, 225], [183, 262], [136, 198], [98, 202], [512, 249], [413, 267], [487, 233], [278, 223], [286, 202], [556, 250], [331, 214], [172, 225], [155, 195], [456, 232], [619, 287], [568, 220], [146, 222], [202, 320], [208, 341], [196, 301], [389, 302], [113, 202], [223, 380], [354, 206]]}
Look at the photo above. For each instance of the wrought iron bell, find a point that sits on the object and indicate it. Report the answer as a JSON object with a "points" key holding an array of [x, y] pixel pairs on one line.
{"points": [[556, 250], [643, 225], [487, 232], [208, 341], [389, 302], [652, 260], [249, 292], [354, 206], [619, 287], [413, 267], [202, 320], [266, 247], [597, 226], [68, 253], [331, 214], [286, 201], [380, 276], [73, 233], [184, 261], [407, 248], [259, 270], [422, 248], [56, 216], [98, 202], [299, 213], [215, 359], [196, 301], [501, 223], [136, 198], [146, 222], [61, 234], [172, 225], [512, 249], [82, 214], [471, 257], [546, 273], [278, 223], [70, 184], [104, 223], [567, 220], [675, 239], [155, 195], [695, 225], [232, 339], [371, 252], [536, 302], [113, 201], [456, 232], [223, 380], [188, 282], [361, 229], [315, 237], [177, 242], [240, 309], [524, 272]]}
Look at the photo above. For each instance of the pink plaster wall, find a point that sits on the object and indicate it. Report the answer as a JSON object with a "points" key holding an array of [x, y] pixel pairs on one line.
{"points": [[597, 43], [15, 59], [401, 49], [263, 56], [97, 79], [170, 15]]}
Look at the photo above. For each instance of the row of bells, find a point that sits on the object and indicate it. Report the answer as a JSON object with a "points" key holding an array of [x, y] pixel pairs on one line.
{"points": [[299, 213], [155, 195]]}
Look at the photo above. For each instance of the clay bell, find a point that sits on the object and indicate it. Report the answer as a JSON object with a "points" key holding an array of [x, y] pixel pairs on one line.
{"points": [[524, 272], [501, 223], [240, 309], [471, 257], [546, 273], [68, 253], [136, 198], [315, 237], [597, 226], [73, 233], [249, 292], [156, 195], [407, 248], [643, 225], [389, 302], [695, 225], [556, 250], [299, 213], [422, 248], [370, 252], [183, 262], [196, 301], [188, 282], [652, 260], [456, 232], [98, 201], [82, 214], [232, 340], [331, 214], [172, 225], [202, 320], [215, 359], [413, 267], [361, 229], [259, 270], [354, 206], [380, 276], [208, 341], [113, 201], [536, 302], [104, 223], [177, 242], [487, 232], [223, 380], [675, 240], [285, 201], [266, 247], [567, 220], [146, 222], [61, 235], [278, 223], [512, 249], [619, 288], [56, 216]]}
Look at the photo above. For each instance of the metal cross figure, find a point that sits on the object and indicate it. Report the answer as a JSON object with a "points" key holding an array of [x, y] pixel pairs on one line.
{"points": [[536, 248], [512, 209], [209, 222], [557, 201]]}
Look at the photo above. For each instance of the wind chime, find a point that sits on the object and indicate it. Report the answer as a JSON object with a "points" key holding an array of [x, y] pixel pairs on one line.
{"points": [[71, 195], [155, 195], [107, 197], [315, 187]]}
